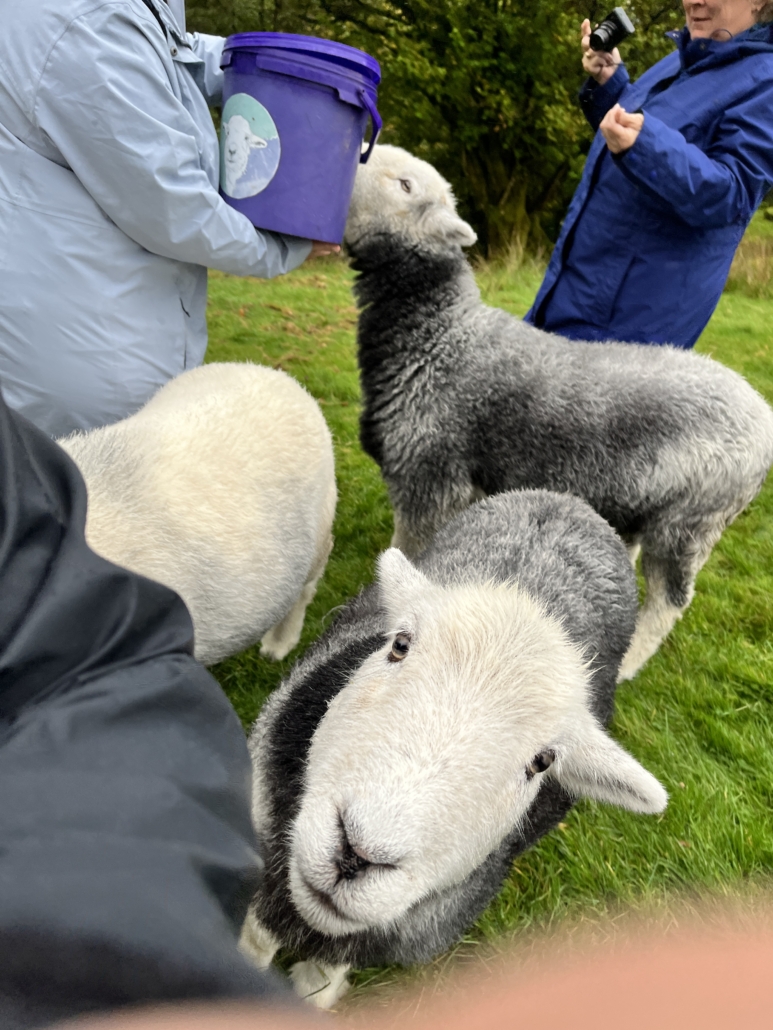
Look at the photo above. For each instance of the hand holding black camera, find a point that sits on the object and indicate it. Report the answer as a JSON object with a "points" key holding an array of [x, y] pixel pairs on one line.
{"points": [[600, 56]]}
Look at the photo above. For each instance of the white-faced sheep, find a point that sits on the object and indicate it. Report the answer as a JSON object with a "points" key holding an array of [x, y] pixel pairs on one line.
{"points": [[444, 723], [239, 141], [223, 488], [462, 400]]}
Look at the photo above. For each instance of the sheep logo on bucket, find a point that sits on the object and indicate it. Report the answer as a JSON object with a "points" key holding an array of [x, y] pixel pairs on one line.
{"points": [[249, 147]]}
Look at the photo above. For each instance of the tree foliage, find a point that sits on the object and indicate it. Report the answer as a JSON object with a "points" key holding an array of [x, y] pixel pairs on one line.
{"points": [[224, 17], [483, 89]]}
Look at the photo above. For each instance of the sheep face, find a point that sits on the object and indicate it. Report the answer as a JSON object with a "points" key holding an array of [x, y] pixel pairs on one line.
{"points": [[438, 745], [239, 141], [396, 194]]}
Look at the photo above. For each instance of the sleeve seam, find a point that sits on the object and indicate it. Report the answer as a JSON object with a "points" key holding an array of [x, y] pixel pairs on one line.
{"points": [[84, 14]]}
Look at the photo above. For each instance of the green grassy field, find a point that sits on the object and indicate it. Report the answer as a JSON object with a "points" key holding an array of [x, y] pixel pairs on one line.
{"points": [[699, 715]]}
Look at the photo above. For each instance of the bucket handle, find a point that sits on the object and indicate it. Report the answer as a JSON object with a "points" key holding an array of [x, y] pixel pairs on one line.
{"points": [[360, 98], [266, 62], [376, 123]]}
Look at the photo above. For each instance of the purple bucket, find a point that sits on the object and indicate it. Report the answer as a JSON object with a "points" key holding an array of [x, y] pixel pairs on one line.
{"points": [[295, 111]]}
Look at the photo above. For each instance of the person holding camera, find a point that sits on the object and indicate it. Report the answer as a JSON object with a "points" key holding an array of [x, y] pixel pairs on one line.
{"points": [[109, 208], [681, 160]]}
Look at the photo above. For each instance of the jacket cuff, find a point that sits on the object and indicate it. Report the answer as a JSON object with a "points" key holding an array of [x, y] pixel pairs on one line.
{"points": [[644, 163], [282, 254], [596, 100]]}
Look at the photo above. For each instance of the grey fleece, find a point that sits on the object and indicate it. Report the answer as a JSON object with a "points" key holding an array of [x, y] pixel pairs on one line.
{"points": [[461, 400], [563, 555]]}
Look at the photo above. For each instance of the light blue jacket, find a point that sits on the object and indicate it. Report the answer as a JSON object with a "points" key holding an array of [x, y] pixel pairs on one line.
{"points": [[109, 206]]}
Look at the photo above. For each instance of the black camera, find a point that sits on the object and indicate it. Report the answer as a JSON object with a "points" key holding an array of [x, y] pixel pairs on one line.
{"points": [[616, 27]]}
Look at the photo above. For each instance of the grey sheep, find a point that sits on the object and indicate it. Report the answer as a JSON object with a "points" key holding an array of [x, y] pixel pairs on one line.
{"points": [[444, 723], [462, 400]]}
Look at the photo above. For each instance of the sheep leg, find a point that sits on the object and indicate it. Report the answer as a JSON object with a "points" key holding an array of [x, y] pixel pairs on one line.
{"points": [[634, 550], [320, 985], [282, 638], [256, 943], [404, 539], [412, 533], [670, 583], [656, 620]]}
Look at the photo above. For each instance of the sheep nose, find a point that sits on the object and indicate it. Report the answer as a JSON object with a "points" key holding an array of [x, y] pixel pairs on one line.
{"points": [[351, 863]]}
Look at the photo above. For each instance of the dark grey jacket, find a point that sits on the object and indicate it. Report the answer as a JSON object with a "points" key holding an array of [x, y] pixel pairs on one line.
{"points": [[126, 849]]}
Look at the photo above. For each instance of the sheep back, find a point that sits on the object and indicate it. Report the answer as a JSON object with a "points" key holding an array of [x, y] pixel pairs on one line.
{"points": [[462, 399], [223, 488]]}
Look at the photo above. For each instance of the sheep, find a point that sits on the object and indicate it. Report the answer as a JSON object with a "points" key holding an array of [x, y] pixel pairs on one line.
{"points": [[239, 140], [223, 488], [461, 400], [444, 723]]}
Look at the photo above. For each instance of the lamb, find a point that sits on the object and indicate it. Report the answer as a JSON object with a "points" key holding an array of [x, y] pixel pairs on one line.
{"points": [[461, 401], [222, 487], [444, 723], [239, 141]]}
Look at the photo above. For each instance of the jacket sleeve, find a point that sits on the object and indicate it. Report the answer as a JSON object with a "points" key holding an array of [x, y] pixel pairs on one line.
{"points": [[596, 100], [209, 79], [107, 103], [720, 186], [127, 856]]}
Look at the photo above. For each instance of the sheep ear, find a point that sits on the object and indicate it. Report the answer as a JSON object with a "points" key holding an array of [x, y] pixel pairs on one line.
{"points": [[400, 584], [596, 767], [444, 225]]}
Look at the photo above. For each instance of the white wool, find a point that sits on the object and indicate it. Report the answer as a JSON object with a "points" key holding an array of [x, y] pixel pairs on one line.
{"points": [[223, 488], [422, 763], [239, 141], [401, 194]]}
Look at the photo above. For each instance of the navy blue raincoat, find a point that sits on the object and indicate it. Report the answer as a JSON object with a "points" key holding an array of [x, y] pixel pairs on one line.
{"points": [[650, 234]]}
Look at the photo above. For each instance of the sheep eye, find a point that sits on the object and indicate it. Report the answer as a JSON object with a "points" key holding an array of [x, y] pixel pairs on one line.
{"points": [[539, 764], [406, 185], [400, 647]]}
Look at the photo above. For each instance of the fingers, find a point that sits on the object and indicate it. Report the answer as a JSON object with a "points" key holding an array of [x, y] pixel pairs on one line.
{"points": [[599, 65], [618, 134], [585, 34], [624, 118], [609, 119], [321, 249], [615, 116], [630, 121]]}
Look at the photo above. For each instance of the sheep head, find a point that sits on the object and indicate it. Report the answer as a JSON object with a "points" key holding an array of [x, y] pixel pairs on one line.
{"points": [[239, 141], [398, 195], [437, 746]]}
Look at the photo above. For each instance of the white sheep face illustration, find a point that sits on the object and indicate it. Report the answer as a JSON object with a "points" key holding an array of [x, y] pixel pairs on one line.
{"points": [[240, 140]]}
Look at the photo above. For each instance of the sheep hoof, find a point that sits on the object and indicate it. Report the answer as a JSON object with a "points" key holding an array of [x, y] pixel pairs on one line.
{"points": [[640, 651], [656, 620], [625, 673], [321, 986], [256, 943], [275, 649]]}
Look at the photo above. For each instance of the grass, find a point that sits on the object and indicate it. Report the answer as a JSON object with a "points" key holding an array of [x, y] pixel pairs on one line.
{"points": [[752, 271], [699, 715]]}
